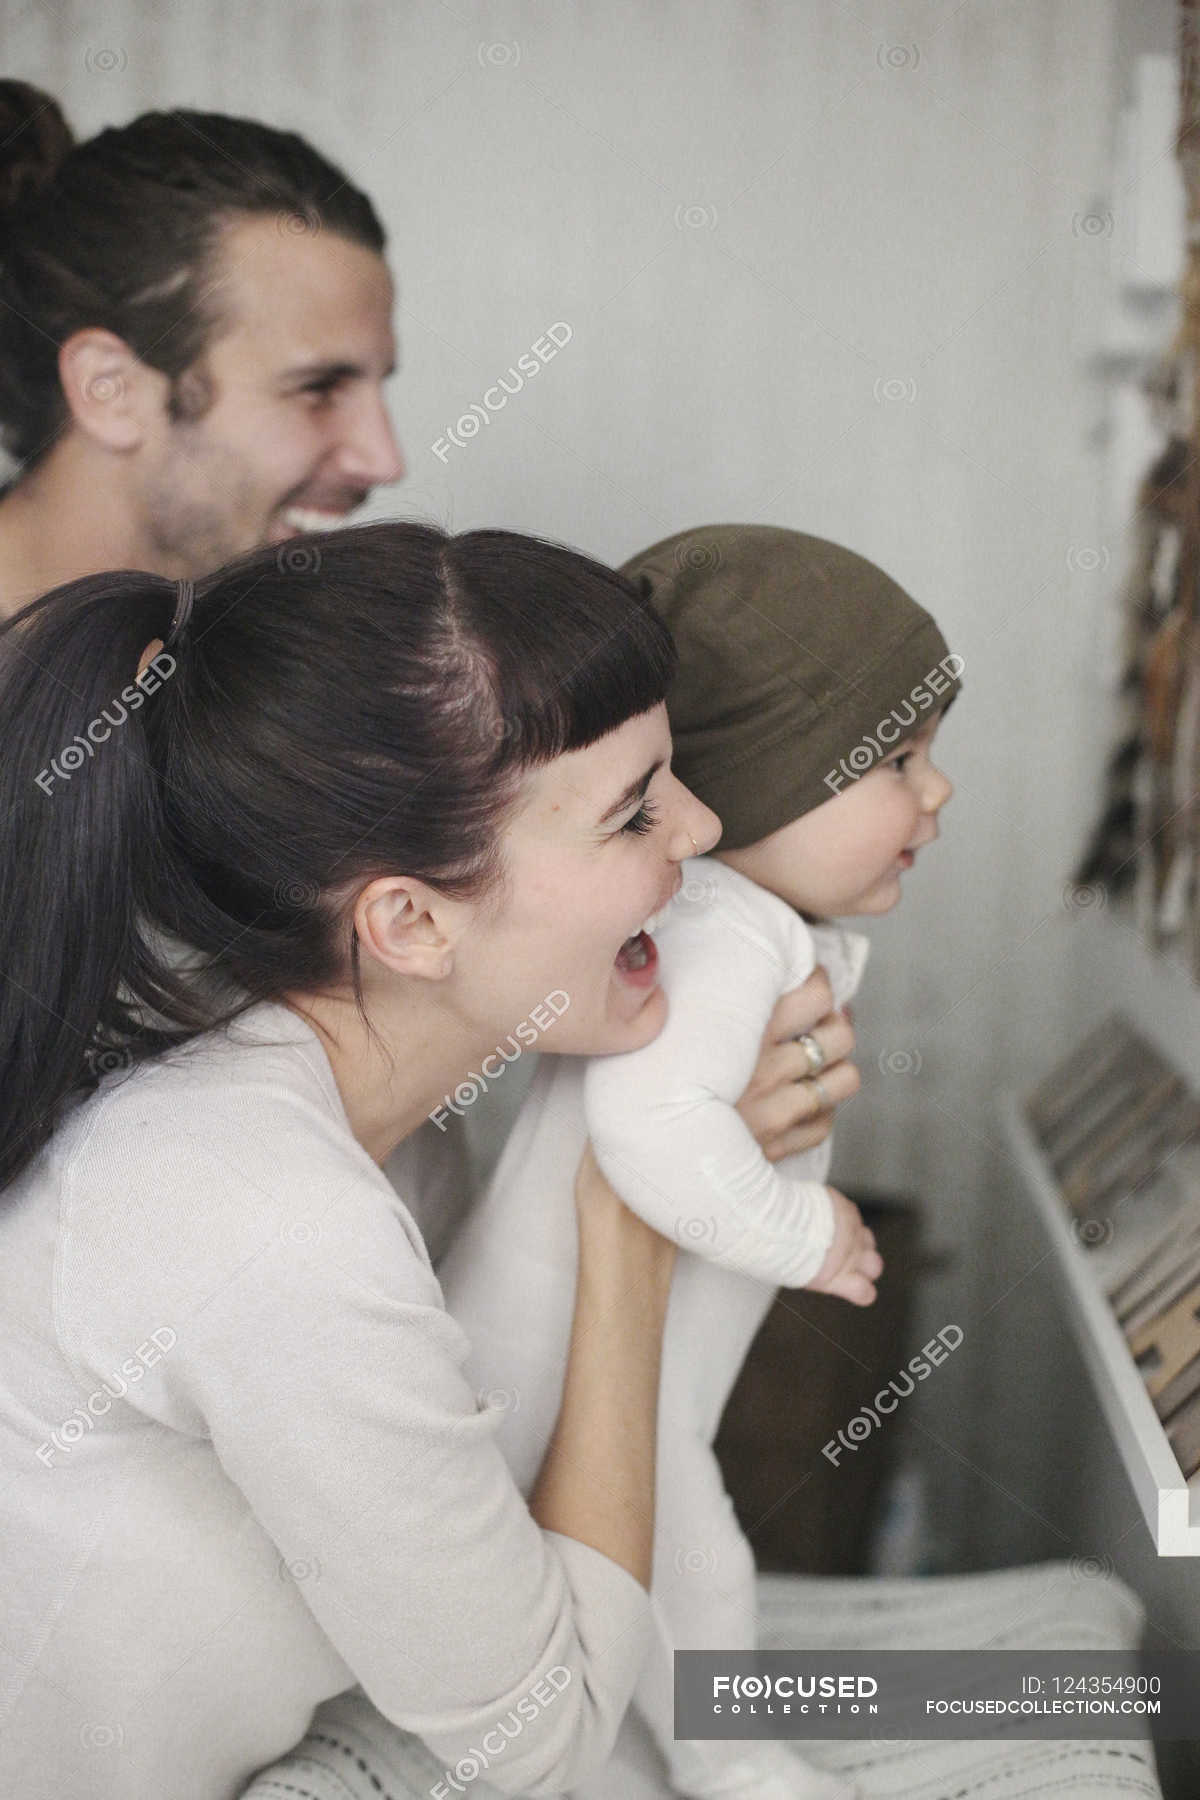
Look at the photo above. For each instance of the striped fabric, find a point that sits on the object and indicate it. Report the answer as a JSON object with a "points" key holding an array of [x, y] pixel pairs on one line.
{"points": [[353, 1754]]}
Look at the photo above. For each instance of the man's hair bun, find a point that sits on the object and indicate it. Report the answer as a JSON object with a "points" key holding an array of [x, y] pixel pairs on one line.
{"points": [[34, 139]]}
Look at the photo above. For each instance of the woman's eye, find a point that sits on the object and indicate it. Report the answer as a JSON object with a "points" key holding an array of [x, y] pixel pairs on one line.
{"points": [[898, 762], [642, 820]]}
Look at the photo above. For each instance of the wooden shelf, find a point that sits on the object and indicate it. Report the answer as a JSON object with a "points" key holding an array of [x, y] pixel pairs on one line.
{"points": [[1171, 1505]]}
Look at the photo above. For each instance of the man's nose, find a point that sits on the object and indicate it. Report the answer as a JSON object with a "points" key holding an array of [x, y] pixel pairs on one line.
{"points": [[370, 453]]}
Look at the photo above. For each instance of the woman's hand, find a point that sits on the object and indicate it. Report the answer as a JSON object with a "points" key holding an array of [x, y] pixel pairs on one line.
{"points": [[782, 1105]]}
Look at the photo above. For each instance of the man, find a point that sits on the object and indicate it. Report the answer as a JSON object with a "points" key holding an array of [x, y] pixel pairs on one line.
{"points": [[195, 331], [194, 337]]}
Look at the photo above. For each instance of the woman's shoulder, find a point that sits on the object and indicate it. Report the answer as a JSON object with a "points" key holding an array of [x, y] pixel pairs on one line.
{"points": [[191, 1167], [261, 1079]]}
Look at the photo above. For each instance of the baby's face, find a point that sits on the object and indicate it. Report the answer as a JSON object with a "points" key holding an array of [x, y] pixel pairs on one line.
{"points": [[848, 855]]}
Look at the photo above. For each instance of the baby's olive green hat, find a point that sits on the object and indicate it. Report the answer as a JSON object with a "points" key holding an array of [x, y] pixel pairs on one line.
{"points": [[801, 666]]}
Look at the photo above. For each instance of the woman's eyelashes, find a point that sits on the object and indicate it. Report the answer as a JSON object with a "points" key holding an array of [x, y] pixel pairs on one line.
{"points": [[642, 820]]}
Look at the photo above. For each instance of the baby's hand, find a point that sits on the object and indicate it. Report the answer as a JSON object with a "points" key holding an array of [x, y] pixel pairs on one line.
{"points": [[853, 1265]]}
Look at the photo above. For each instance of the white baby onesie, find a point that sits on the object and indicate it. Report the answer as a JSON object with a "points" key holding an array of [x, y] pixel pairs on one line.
{"points": [[667, 1135]]}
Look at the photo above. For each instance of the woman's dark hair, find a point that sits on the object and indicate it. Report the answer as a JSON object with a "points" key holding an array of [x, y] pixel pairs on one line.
{"points": [[123, 231], [359, 703]]}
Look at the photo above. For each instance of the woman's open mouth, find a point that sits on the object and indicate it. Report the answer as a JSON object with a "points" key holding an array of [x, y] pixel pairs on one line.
{"points": [[637, 960]]}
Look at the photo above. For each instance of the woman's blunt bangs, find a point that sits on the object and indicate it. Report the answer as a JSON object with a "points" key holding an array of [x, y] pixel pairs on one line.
{"points": [[577, 649]]}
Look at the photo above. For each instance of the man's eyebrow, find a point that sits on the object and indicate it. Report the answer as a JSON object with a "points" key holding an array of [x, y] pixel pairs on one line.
{"points": [[635, 791], [330, 371]]}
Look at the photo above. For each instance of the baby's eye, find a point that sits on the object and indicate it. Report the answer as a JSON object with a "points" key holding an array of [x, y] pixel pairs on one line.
{"points": [[642, 820]]}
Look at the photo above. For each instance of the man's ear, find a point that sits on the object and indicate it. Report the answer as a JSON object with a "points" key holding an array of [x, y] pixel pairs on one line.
{"points": [[407, 927], [110, 392]]}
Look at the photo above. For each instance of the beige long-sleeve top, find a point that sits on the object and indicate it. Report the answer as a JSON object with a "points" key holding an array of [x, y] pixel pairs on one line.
{"points": [[241, 1469]]}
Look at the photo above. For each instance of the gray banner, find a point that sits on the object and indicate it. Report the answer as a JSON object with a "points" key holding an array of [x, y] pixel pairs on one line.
{"points": [[910, 1694]]}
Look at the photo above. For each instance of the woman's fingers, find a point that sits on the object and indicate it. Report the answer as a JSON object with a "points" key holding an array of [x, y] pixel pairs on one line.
{"points": [[790, 1061], [787, 1102], [833, 1087], [786, 1106], [835, 1035], [800, 1137], [777, 1110], [798, 1114], [801, 1008]]}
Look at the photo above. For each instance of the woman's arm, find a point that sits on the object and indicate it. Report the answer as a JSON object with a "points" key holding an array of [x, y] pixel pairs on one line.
{"points": [[597, 1481]]}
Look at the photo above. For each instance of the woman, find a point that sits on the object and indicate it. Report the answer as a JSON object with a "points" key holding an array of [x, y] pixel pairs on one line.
{"points": [[392, 794]]}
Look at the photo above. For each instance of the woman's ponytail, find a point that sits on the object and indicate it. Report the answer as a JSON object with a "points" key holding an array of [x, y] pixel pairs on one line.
{"points": [[80, 811], [181, 845], [34, 140]]}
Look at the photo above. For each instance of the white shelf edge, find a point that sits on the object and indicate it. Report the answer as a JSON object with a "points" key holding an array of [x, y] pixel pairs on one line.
{"points": [[1170, 1504]]}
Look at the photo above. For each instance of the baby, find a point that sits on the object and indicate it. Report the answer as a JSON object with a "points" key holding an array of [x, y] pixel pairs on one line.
{"points": [[809, 690]]}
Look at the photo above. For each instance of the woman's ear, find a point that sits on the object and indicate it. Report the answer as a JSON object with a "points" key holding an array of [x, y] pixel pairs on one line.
{"points": [[109, 391], [407, 927]]}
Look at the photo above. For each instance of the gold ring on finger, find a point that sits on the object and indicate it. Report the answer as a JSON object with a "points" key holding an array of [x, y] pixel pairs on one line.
{"points": [[813, 1051]]}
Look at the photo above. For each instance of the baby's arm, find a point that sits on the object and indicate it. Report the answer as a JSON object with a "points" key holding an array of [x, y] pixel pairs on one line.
{"points": [[663, 1119]]}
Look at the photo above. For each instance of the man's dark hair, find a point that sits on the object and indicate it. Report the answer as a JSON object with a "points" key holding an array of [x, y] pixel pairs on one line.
{"points": [[123, 231]]}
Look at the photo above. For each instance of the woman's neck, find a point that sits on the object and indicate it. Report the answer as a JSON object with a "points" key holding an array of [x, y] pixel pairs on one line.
{"points": [[391, 1078]]}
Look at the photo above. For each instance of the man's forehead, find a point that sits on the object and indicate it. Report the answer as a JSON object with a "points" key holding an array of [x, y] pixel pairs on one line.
{"points": [[297, 297]]}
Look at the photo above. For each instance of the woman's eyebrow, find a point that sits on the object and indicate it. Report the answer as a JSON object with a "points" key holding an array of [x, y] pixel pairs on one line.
{"points": [[635, 791]]}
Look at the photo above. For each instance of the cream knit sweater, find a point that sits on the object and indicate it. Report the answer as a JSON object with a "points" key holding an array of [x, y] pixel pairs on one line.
{"points": [[240, 1466]]}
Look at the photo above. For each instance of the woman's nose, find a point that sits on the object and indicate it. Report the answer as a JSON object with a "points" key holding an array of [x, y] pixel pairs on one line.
{"points": [[697, 827]]}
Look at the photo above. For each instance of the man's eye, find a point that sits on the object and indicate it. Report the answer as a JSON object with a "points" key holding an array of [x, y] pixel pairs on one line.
{"points": [[898, 762], [642, 820]]}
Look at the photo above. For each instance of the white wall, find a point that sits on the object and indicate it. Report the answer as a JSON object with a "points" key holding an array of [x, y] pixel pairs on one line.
{"points": [[826, 264]]}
